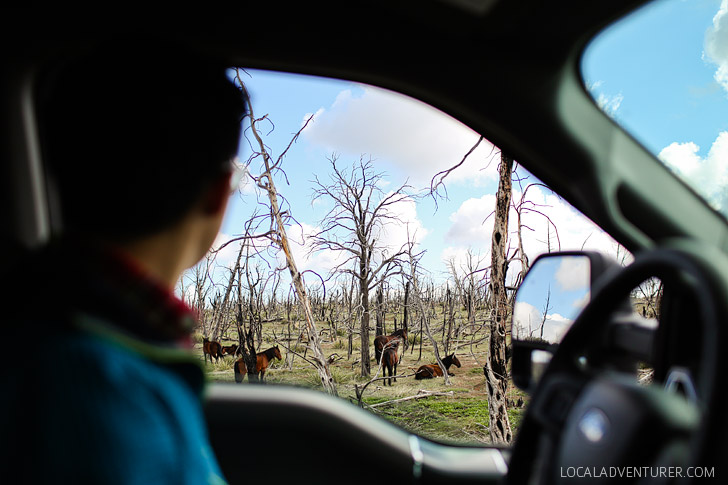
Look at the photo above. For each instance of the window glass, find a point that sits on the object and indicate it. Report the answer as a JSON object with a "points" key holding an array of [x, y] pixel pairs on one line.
{"points": [[662, 74], [361, 172]]}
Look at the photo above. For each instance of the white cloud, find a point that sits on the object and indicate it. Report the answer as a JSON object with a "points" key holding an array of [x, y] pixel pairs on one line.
{"points": [[227, 256], [472, 226], [413, 136], [555, 327], [404, 226], [527, 323], [716, 44], [573, 274], [299, 238], [709, 175], [610, 104], [390, 237]]}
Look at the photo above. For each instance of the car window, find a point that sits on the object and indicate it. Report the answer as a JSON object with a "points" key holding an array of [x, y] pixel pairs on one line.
{"points": [[367, 180], [662, 74]]}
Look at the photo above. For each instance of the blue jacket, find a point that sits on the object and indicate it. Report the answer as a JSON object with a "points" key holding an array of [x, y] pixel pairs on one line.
{"points": [[93, 402]]}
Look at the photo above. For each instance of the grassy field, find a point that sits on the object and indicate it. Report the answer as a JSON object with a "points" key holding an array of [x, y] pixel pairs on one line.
{"points": [[459, 417]]}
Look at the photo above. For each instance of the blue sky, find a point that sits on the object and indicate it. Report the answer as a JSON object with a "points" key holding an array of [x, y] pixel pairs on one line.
{"points": [[560, 287], [408, 141], [664, 71], [658, 74]]}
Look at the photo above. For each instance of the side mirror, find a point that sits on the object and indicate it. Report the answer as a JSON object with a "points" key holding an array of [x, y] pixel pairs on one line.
{"points": [[551, 296]]}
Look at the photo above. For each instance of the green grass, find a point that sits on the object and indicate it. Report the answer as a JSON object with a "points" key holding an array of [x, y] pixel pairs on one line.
{"points": [[444, 419], [458, 419]]}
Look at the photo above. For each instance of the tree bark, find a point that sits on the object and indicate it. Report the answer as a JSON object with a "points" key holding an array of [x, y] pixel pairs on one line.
{"points": [[495, 369], [364, 330], [280, 238], [380, 311]]}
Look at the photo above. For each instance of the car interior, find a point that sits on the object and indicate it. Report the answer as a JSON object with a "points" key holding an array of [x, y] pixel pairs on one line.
{"points": [[510, 71]]}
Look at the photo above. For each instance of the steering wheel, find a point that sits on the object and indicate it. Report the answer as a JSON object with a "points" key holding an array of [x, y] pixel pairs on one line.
{"points": [[586, 421]]}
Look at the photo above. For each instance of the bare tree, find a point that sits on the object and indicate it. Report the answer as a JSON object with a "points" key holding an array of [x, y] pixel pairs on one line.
{"points": [[201, 286], [495, 369], [413, 276], [279, 238], [354, 228]]}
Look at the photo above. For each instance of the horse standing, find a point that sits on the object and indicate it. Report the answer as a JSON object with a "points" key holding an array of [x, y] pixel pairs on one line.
{"points": [[262, 359], [429, 371], [381, 341], [211, 348], [391, 356]]}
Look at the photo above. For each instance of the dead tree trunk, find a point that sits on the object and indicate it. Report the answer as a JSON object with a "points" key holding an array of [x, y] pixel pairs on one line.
{"points": [[405, 320], [246, 342], [495, 369], [380, 330], [280, 239]]}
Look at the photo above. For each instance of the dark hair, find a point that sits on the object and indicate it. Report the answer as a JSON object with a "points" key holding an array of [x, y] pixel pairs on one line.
{"points": [[133, 133]]}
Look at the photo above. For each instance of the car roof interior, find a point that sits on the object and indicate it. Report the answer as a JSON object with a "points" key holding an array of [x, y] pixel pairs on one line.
{"points": [[509, 70]]}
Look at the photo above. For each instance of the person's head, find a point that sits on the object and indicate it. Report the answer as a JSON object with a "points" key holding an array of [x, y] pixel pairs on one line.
{"points": [[135, 134]]}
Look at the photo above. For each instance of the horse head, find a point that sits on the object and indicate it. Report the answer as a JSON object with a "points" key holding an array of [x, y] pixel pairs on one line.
{"points": [[402, 333], [454, 360], [277, 352]]}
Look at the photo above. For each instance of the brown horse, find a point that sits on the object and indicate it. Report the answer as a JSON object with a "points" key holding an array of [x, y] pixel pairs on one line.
{"points": [[434, 370], [211, 348], [262, 362], [381, 341], [390, 359], [230, 349]]}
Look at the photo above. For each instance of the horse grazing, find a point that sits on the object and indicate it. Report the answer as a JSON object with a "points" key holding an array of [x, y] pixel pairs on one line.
{"points": [[230, 349], [380, 341], [262, 359], [433, 370], [211, 348]]}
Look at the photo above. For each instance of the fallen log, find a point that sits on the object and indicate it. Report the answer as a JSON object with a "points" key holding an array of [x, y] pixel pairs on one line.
{"points": [[422, 393]]}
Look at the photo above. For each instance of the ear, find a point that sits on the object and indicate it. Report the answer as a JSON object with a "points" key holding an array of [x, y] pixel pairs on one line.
{"points": [[216, 195]]}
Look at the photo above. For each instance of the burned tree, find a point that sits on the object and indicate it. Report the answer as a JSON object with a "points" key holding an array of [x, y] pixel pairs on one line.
{"points": [[495, 369], [354, 228], [277, 235]]}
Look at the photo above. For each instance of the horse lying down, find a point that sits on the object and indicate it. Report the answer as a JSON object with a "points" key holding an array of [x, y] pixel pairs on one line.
{"points": [[430, 371]]}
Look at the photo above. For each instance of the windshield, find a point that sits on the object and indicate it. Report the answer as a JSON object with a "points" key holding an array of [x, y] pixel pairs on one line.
{"points": [[662, 74]]}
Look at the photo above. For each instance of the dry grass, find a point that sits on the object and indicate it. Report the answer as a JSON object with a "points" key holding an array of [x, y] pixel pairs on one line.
{"points": [[460, 418]]}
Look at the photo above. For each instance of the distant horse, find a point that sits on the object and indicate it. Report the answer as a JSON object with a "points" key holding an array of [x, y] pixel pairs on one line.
{"points": [[390, 359], [211, 348], [262, 362], [433, 370], [230, 349], [381, 340]]}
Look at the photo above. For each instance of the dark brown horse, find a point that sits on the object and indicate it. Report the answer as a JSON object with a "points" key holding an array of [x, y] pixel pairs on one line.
{"points": [[433, 370], [211, 348], [230, 349], [390, 358], [262, 362], [382, 340]]}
